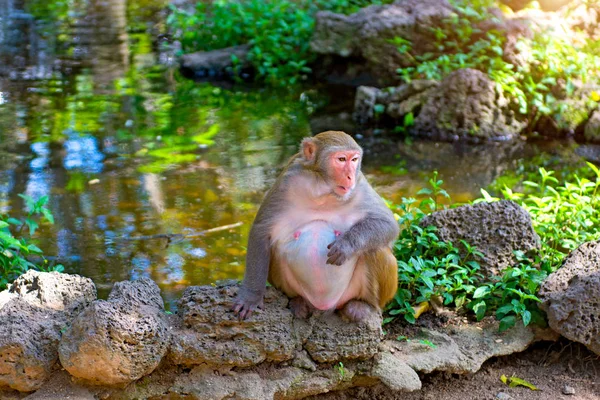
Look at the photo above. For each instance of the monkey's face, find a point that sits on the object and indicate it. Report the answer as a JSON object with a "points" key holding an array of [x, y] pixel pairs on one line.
{"points": [[343, 166]]}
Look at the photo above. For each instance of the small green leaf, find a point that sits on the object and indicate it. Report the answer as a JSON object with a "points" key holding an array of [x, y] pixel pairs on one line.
{"points": [[507, 323], [481, 292]]}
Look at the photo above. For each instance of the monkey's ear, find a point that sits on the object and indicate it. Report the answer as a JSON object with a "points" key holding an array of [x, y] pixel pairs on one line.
{"points": [[309, 149]]}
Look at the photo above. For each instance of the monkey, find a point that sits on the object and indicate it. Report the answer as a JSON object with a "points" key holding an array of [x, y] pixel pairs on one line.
{"points": [[322, 235]]}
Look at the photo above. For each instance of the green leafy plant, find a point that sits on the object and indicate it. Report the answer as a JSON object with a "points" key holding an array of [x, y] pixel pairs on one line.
{"points": [[565, 213], [341, 370], [278, 32], [538, 86], [427, 266], [15, 247]]}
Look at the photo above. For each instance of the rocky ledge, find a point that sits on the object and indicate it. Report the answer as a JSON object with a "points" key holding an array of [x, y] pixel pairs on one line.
{"points": [[58, 340]]}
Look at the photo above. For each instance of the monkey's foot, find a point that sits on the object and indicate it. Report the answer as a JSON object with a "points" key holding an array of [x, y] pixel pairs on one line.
{"points": [[300, 307], [356, 311]]}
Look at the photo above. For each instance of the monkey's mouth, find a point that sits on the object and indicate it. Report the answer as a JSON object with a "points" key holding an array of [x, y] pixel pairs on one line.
{"points": [[344, 189]]}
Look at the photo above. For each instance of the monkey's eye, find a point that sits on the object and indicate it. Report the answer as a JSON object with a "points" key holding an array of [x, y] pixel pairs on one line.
{"points": [[342, 159], [355, 159]]}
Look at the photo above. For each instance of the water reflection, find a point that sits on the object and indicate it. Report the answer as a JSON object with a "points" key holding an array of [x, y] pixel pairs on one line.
{"points": [[127, 148]]}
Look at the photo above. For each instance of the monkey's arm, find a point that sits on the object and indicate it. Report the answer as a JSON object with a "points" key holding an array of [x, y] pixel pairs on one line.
{"points": [[258, 256], [377, 229]]}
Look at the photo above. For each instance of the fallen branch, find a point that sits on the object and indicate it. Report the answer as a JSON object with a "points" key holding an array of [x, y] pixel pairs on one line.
{"points": [[180, 236]]}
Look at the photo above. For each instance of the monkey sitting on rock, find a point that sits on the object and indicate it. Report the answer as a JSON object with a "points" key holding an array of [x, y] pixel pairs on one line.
{"points": [[322, 235]]}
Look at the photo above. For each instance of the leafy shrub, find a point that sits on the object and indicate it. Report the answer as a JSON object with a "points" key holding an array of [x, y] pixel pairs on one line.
{"points": [[553, 64], [427, 266], [278, 32], [565, 215], [14, 248]]}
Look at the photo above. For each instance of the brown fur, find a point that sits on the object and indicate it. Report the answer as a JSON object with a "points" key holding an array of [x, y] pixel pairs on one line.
{"points": [[371, 236]]}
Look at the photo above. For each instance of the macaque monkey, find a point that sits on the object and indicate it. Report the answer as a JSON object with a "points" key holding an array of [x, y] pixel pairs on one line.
{"points": [[322, 235]]}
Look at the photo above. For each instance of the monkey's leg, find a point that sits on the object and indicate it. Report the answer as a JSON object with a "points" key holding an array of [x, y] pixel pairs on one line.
{"points": [[300, 307], [381, 268]]}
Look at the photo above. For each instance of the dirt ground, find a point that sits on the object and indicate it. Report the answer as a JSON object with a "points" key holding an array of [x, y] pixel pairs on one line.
{"points": [[555, 368]]}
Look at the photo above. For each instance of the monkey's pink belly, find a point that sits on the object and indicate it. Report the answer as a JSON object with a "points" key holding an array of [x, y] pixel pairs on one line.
{"points": [[305, 256]]}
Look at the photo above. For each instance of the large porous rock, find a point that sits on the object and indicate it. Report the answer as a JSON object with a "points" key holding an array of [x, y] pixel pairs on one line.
{"points": [[53, 290], [34, 311], [216, 62], [463, 349], [395, 102], [211, 334], [571, 296], [120, 340], [496, 229], [328, 338], [466, 106], [369, 33]]}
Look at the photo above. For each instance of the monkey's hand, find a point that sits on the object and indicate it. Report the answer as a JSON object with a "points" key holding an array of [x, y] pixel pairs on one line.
{"points": [[246, 302], [339, 251]]}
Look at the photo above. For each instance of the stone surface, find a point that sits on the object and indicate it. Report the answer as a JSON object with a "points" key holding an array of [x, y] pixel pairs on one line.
{"points": [[119, 340], [54, 291], [332, 339], [33, 312], [396, 101], [212, 334], [395, 374], [592, 128], [215, 62], [466, 106], [367, 33], [496, 229], [463, 349], [571, 296]]}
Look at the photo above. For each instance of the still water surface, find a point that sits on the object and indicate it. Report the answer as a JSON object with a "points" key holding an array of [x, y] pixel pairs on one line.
{"points": [[93, 114]]}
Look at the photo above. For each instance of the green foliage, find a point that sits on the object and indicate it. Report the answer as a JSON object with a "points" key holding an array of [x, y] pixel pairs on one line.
{"points": [[15, 247], [565, 212], [427, 266], [278, 32], [565, 215], [513, 294], [341, 370], [552, 64]]}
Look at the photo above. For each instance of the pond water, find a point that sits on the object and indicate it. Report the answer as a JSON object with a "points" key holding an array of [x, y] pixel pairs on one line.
{"points": [[93, 114]]}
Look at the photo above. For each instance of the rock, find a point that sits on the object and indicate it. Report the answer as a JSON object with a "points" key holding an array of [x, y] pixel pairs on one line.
{"points": [[33, 312], [462, 349], [120, 340], [503, 396], [396, 101], [29, 339], [282, 383], [570, 296], [212, 334], [592, 128], [368, 33], [215, 62], [395, 374], [568, 390], [466, 106], [62, 386], [333, 339], [496, 229], [364, 105], [54, 291]]}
